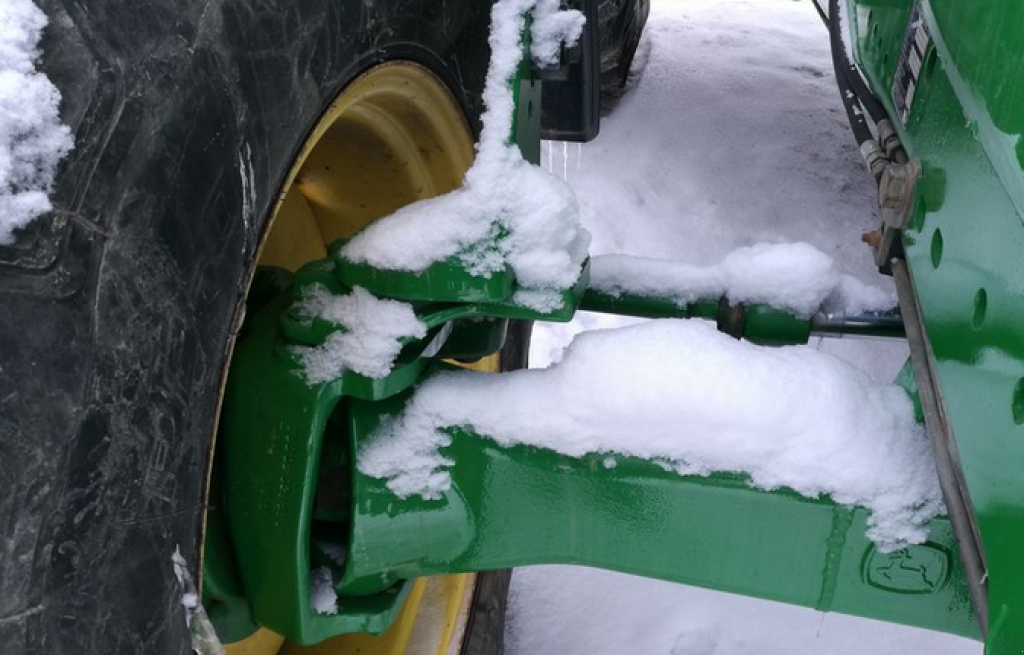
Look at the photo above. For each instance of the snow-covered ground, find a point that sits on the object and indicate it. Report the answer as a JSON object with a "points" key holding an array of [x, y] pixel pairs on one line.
{"points": [[731, 135]]}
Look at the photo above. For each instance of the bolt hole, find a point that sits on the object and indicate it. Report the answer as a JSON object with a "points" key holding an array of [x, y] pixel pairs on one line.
{"points": [[917, 218], [937, 248], [980, 308], [1018, 402]]}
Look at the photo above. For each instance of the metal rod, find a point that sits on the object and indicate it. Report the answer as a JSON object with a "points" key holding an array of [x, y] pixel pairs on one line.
{"points": [[887, 323], [954, 489]]}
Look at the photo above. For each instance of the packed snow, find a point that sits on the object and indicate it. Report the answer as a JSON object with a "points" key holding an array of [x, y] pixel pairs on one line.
{"points": [[371, 338], [682, 393], [204, 637], [793, 277], [32, 138], [508, 212], [731, 134], [322, 597]]}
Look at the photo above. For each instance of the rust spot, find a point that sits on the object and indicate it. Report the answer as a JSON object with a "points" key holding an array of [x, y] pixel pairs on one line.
{"points": [[872, 238]]}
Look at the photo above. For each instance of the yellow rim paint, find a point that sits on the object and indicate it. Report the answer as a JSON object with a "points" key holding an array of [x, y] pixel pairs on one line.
{"points": [[393, 136], [490, 364], [261, 642]]}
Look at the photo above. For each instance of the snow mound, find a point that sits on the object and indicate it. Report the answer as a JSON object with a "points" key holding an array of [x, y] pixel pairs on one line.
{"points": [[508, 211], [795, 277], [371, 339], [322, 597], [32, 138], [681, 392]]}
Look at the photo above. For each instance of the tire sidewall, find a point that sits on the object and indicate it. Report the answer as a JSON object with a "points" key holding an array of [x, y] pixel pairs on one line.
{"points": [[187, 118]]}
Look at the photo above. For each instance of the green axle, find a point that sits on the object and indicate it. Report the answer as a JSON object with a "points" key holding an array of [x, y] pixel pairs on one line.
{"points": [[291, 467]]}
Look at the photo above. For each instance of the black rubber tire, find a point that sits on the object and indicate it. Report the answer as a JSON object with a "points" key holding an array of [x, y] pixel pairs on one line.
{"points": [[120, 308], [621, 24]]}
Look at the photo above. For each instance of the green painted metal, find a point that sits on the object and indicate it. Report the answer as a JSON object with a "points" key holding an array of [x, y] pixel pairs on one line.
{"points": [[964, 249], [446, 281], [223, 594], [272, 431], [523, 505], [288, 469], [647, 307], [758, 323]]}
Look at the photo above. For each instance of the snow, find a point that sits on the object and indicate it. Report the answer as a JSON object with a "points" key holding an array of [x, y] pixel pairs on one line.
{"points": [[794, 277], [559, 610], [32, 138], [551, 28], [204, 637], [682, 393], [732, 135], [507, 212], [322, 597], [372, 337]]}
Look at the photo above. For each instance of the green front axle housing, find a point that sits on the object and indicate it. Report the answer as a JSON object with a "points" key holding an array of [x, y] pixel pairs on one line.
{"points": [[290, 470]]}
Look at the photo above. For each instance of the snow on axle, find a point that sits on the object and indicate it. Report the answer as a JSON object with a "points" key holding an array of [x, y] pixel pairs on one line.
{"points": [[379, 462]]}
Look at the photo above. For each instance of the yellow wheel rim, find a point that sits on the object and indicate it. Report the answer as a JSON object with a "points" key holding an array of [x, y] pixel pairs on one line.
{"points": [[393, 136]]}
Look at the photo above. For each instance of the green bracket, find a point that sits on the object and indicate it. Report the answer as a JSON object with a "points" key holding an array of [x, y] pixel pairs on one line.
{"points": [[511, 506]]}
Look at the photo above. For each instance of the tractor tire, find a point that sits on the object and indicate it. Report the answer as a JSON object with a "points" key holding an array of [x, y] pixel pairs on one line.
{"points": [[620, 23], [120, 307]]}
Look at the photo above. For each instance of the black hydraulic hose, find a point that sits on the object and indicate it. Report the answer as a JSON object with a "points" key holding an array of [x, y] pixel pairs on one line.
{"points": [[854, 113], [873, 155], [821, 13], [846, 68], [849, 75]]}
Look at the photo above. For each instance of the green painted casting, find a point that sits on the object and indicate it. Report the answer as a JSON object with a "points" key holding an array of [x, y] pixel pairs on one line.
{"points": [[523, 505], [273, 431], [446, 281], [964, 249]]}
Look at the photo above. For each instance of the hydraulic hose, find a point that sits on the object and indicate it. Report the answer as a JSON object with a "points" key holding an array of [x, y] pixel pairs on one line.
{"points": [[872, 153], [846, 68], [821, 13]]}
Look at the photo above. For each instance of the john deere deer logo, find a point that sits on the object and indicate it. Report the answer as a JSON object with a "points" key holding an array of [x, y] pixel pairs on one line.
{"points": [[920, 569]]}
